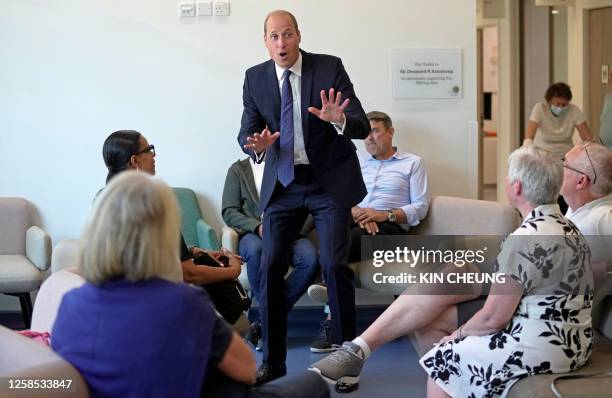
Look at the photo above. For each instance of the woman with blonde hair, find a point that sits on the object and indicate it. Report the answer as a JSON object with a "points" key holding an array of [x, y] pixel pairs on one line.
{"points": [[134, 329]]}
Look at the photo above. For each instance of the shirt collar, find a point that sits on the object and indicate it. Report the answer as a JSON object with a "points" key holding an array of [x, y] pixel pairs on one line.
{"points": [[397, 155], [546, 210], [296, 69]]}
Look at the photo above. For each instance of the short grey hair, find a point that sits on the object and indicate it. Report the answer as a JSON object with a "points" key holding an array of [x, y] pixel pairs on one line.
{"points": [[133, 232], [601, 158], [539, 172]]}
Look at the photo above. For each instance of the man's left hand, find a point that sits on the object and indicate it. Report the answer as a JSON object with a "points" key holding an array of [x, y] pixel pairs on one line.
{"points": [[332, 109], [369, 214], [371, 227]]}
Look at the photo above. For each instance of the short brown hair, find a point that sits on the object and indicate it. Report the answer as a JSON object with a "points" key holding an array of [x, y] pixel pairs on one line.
{"points": [[378, 116], [561, 90], [285, 12]]}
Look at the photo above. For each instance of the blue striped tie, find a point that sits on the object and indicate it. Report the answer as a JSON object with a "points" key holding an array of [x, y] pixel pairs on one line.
{"points": [[285, 163]]}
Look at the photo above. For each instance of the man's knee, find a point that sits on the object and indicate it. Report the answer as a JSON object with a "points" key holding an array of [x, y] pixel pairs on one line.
{"points": [[305, 252]]}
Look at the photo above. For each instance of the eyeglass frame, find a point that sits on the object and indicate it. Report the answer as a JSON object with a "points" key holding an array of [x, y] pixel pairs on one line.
{"points": [[594, 180], [150, 148]]}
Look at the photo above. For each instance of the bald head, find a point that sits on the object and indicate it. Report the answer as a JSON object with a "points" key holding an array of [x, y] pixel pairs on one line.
{"points": [[598, 159], [587, 174], [280, 13]]}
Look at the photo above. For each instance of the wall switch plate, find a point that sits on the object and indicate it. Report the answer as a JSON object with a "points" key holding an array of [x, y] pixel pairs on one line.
{"points": [[221, 8], [187, 9], [204, 8]]}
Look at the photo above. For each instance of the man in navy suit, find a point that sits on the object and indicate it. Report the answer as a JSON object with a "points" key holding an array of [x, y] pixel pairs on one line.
{"points": [[295, 118]]}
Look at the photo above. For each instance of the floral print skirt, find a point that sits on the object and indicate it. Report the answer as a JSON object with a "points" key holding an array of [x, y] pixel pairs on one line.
{"points": [[487, 366]]}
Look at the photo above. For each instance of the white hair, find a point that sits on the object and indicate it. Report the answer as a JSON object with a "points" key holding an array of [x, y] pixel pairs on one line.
{"points": [[601, 160], [133, 232], [540, 174]]}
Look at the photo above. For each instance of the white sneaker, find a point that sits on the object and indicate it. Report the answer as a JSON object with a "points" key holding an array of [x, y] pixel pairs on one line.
{"points": [[318, 292]]}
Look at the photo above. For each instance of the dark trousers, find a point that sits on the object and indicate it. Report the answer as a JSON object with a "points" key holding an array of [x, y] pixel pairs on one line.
{"points": [[282, 221], [384, 228], [305, 384]]}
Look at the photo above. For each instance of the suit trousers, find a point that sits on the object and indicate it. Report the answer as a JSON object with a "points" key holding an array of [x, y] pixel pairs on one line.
{"points": [[282, 221]]}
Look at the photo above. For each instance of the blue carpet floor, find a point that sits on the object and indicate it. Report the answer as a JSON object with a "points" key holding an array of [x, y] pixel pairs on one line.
{"points": [[391, 372]]}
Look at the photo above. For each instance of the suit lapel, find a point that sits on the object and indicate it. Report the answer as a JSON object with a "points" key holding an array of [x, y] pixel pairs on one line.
{"points": [[306, 88], [274, 95]]}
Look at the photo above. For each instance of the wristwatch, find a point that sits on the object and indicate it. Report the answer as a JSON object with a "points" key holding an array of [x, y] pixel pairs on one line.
{"points": [[391, 217]]}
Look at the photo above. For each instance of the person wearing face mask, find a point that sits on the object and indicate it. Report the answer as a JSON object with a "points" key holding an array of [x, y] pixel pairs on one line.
{"points": [[552, 122]]}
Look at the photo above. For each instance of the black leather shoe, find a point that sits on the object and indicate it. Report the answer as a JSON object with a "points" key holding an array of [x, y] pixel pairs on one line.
{"points": [[267, 373], [253, 336]]}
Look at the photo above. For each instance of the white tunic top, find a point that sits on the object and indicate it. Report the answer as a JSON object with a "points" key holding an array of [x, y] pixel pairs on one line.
{"points": [[555, 133]]}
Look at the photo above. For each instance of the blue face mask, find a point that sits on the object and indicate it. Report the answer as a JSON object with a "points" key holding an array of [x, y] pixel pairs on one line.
{"points": [[558, 110]]}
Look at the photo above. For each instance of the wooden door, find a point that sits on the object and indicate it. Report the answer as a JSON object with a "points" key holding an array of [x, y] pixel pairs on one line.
{"points": [[600, 55]]}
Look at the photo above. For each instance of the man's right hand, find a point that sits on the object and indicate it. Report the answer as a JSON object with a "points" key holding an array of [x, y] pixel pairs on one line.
{"points": [[260, 142]]}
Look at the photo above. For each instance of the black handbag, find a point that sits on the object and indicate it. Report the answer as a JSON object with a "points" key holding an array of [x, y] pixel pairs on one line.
{"points": [[229, 297]]}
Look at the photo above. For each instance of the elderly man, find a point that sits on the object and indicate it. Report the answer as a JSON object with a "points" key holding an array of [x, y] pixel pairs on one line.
{"points": [[397, 199], [587, 189]]}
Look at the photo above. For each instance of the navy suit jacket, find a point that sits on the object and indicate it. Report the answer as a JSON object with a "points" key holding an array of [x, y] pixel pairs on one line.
{"points": [[332, 156]]}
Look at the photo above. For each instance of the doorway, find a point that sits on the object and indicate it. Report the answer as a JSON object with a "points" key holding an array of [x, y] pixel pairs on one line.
{"points": [[488, 110], [599, 63]]}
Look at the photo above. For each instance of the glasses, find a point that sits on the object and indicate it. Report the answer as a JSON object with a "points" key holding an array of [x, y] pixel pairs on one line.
{"points": [[590, 161], [150, 148], [585, 147]]}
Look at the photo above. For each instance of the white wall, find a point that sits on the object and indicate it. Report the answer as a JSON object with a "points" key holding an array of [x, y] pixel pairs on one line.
{"points": [[72, 71]]}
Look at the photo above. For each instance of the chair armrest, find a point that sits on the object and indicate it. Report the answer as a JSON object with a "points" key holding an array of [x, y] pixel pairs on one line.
{"points": [[229, 239], [38, 247], [65, 254], [207, 238]]}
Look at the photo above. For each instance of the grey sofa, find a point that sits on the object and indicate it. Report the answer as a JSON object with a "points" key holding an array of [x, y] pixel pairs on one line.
{"points": [[23, 358], [447, 216], [25, 252]]}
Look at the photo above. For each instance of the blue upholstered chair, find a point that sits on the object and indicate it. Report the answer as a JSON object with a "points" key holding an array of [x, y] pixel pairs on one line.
{"points": [[195, 230]]}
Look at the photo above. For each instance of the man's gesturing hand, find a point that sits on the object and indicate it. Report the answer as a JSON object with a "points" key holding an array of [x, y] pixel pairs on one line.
{"points": [[259, 142], [332, 109]]}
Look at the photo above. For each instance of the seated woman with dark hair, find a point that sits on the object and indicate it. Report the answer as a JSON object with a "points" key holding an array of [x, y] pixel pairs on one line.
{"points": [[130, 150]]}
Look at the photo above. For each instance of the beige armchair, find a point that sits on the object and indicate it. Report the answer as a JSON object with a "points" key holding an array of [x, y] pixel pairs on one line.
{"points": [[25, 252]]}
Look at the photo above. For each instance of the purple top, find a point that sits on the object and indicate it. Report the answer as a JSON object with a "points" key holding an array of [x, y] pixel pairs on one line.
{"points": [[140, 339]]}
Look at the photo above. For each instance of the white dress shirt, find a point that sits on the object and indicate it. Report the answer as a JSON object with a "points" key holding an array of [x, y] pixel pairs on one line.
{"points": [[299, 147], [399, 182]]}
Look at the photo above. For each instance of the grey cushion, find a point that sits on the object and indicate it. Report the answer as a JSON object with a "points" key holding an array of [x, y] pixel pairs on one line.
{"points": [[18, 274], [65, 254], [16, 216], [449, 216], [600, 361], [38, 247], [458, 216]]}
